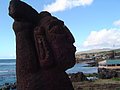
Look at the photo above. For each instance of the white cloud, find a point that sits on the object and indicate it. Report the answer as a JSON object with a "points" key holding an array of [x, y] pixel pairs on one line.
{"points": [[60, 5], [116, 23], [106, 38]]}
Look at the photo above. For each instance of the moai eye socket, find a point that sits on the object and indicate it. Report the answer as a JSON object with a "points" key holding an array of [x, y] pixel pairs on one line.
{"points": [[56, 27]]}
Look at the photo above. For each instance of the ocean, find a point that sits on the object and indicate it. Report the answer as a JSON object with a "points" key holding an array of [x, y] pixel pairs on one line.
{"points": [[82, 68], [8, 72]]}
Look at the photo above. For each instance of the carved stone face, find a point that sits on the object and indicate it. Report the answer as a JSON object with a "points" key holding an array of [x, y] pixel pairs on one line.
{"points": [[61, 41]]}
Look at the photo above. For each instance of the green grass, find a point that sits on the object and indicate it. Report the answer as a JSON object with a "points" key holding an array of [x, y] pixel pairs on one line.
{"points": [[91, 75], [116, 79]]}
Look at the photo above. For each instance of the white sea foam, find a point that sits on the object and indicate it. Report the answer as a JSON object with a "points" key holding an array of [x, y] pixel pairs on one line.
{"points": [[4, 71], [6, 64]]}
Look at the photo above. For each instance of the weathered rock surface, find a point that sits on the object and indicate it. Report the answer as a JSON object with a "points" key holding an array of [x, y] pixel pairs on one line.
{"points": [[107, 73], [44, 49], [78, 77], [8, 86]]}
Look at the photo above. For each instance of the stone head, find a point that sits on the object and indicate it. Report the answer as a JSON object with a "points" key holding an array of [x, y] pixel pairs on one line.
{"points": [[58, 37]]}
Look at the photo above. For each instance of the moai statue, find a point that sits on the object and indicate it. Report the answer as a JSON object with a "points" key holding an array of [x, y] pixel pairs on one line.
{"points": [[44, 49]]}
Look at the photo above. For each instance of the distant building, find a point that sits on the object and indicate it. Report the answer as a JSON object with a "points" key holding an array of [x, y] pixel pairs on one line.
{"points": [[110, 64], [109, 68]]}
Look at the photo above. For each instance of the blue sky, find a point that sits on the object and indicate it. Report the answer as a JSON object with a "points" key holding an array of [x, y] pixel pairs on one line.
{"points": [[94, 23]]}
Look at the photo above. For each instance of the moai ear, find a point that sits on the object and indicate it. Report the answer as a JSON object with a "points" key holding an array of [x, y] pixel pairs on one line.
{"points": [[44, 53], [39, 42]]}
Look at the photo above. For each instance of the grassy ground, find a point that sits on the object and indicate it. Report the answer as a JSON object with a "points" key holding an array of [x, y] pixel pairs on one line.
{"points": [[100, 84], [107, 81]]}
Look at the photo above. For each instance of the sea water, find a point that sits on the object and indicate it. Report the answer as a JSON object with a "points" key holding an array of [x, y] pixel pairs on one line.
{"points": [[8, 70], [82, 67]]}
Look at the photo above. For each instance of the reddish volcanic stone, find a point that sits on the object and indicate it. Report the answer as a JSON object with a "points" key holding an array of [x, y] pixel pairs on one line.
{"points": [[44, 49]]}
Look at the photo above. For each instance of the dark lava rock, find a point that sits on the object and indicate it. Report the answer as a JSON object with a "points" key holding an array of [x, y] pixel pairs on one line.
{"points": [[107, 73], [78, 77]]}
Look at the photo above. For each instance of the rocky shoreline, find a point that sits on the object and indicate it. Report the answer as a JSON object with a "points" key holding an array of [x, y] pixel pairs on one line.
{"points": [[80, 82], [8, 86], [74, 77]]}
